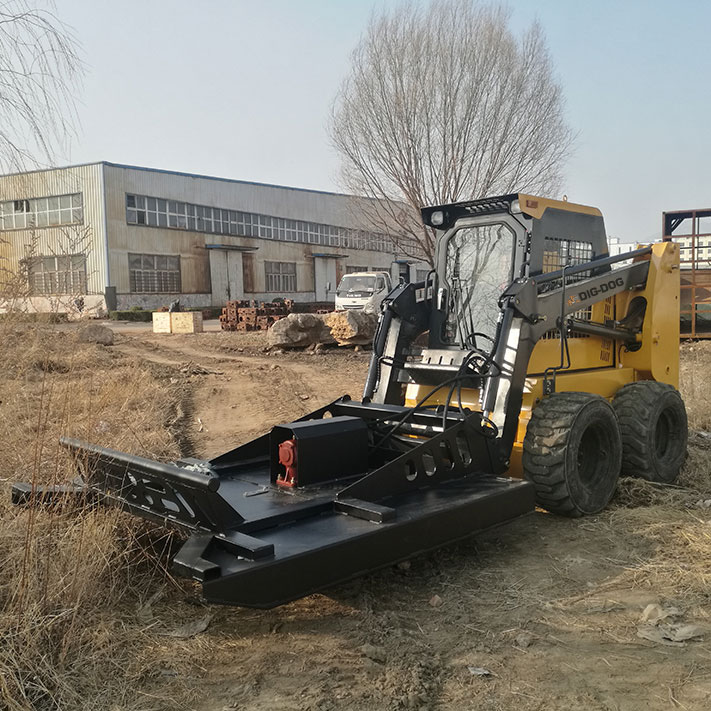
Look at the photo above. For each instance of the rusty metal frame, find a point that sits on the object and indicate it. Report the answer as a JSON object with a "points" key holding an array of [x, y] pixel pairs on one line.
{"points": [[694, 267]]}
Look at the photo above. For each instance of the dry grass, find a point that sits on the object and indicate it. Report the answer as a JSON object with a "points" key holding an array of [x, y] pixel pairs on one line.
{"points": [[695, 384], [72, 576], [674, 520]]}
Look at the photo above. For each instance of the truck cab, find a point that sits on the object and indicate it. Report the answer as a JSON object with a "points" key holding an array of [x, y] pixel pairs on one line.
{"points": [[360, 289]]}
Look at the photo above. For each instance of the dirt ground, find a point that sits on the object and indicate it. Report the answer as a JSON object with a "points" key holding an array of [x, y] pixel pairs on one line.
{"points": [[542, 613], [246, 390]]}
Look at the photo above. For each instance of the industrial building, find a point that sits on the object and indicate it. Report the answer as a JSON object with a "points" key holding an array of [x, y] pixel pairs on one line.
{"points": [[122, 236], [616, 246]]}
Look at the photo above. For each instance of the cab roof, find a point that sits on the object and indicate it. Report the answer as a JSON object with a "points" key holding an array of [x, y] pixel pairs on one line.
{"points": [[530, 205]]}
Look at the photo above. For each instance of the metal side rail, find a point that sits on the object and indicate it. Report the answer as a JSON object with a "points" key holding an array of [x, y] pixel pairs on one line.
{"points": [[256, 544]]}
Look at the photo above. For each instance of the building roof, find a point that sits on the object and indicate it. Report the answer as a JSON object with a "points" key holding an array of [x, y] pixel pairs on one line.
{"points": [[182, 174]]}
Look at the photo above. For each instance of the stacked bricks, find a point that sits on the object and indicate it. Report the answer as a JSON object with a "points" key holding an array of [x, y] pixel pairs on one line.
{"points": [[253, 315]]}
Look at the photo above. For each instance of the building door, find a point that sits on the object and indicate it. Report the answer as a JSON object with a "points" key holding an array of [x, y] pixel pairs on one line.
{"points": [[324, 278], [401, 272], [226, 276]]}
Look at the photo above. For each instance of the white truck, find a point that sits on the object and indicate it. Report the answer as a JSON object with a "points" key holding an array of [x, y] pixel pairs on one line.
{"points": [[363, 290]]}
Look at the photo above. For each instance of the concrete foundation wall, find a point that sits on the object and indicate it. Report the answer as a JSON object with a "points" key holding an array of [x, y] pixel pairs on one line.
{"points": [[153, 302], [92, 306]]}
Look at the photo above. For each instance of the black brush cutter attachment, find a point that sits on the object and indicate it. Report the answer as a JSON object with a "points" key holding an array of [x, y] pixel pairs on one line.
{"points": [[315, 502]]}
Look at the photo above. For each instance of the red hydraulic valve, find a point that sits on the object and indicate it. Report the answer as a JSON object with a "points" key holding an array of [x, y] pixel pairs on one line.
{"points": [[287, 458]]}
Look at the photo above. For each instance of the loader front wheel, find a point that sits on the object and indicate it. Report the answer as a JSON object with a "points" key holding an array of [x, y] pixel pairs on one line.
{"points": [[654, 430], [572, 453]]}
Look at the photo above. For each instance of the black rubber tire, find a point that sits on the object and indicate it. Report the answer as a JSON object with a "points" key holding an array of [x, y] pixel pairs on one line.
{"points": [[572, 453], [654, 430]]}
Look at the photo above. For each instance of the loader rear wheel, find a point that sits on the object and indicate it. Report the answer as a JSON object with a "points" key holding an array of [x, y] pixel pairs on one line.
{"points": [[572, 453], [654, 430]]}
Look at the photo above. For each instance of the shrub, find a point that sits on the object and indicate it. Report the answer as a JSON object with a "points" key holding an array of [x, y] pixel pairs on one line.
{"points": [[131, 315]]}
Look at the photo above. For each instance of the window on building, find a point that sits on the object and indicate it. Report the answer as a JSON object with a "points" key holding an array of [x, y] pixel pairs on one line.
{"points": [[154, 273], [158, 212], [60, 274], [281, 276], [42, 212], [421, 274], [351, 269]]}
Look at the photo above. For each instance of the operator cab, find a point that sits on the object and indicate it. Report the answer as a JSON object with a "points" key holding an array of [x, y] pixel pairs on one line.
{"points": [[483, 246]]}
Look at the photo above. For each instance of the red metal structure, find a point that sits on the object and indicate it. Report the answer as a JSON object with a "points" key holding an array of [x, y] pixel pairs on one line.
{"points": [[691, 229]]}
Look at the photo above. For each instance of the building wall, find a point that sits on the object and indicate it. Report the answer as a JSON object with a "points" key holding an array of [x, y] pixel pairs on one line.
{"points": [[125, 239], [196, 281], [104, 187], [695, 251], [616, 246], [277, 200], [15, 245]]}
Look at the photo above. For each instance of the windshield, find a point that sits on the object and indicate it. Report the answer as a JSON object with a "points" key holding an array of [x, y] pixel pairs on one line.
{"points": [[359, 284], [478, 269]]}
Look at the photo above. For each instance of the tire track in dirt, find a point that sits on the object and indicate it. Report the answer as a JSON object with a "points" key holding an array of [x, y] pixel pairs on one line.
{"points": [[247, 394]]}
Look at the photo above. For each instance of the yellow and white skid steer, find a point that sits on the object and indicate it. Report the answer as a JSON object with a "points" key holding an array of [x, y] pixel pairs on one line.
{"points": [[550, 368]]}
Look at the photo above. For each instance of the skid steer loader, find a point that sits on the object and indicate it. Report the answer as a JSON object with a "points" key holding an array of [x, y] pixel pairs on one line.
{"points": [[549, 368]]}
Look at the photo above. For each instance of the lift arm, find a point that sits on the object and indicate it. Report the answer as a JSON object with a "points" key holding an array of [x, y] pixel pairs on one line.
{"points": [[528, 313], [402, 319]]}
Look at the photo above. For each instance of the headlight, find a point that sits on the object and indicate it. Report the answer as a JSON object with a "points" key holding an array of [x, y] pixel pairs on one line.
{"points": [[437, 218], [515, 206]]}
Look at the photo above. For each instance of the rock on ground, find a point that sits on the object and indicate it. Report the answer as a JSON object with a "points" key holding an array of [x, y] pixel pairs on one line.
{"points": [[352, 327], [299, 330], [94, 333]]}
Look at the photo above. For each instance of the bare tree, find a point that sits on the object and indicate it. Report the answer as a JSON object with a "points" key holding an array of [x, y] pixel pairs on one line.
{"points": [[444, 104], [39, 74]]}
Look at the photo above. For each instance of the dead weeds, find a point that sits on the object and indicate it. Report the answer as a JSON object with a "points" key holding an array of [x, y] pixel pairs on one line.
{"points": [[72, 574], [76, 631]]}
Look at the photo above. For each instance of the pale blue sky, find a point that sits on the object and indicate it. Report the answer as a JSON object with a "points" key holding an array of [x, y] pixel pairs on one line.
{"points": [[243, 89]]}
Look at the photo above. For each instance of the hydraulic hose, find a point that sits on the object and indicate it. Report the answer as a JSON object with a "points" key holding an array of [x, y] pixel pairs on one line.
{"points": [[381, 336]]}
